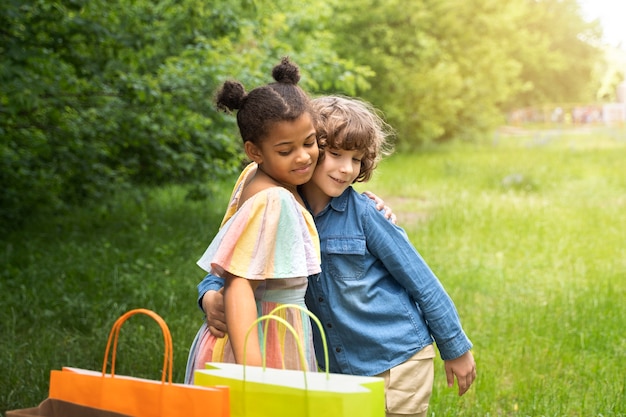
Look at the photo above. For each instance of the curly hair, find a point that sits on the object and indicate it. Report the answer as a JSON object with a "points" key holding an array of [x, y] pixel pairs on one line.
{"points": [[282, 100], [351, 124]]}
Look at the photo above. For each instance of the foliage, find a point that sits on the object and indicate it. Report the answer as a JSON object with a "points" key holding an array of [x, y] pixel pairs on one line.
{"points": [[610, 73], [98, 95], [558, 52], [447, 68]]}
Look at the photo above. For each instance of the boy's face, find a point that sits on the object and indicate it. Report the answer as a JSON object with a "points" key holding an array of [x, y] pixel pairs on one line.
{"points": [[337, 171]]}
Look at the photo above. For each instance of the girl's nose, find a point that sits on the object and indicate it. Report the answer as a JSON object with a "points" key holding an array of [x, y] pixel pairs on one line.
{"points": [[304, 154]]}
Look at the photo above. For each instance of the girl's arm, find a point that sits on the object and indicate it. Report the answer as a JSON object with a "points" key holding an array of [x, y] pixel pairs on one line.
{"points": [[241, 312], [381, 206]]}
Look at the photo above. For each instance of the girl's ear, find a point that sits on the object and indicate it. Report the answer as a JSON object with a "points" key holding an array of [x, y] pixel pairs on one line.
{"points": [[253, 152]]}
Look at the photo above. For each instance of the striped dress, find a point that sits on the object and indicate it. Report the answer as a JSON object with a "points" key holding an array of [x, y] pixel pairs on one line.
{"points": [[271, 237]]}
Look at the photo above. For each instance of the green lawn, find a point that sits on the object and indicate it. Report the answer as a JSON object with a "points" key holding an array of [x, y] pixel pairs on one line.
{"points": [[526, 232]]}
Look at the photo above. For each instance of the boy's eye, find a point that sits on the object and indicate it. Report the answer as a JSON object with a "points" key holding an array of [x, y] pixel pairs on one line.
{"points": [[357, 160], [284, 153], [310, 144]]}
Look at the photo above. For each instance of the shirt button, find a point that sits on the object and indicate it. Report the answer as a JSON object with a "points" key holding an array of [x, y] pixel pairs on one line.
{"points": [[321, 299], [329, 325], [338, 350]]}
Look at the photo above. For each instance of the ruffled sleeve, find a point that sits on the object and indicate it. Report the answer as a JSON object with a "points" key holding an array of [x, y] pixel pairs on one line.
{"points": [[270, 236]]}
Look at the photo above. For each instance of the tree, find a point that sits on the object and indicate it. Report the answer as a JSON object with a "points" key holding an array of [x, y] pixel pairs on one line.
{"points": [[558, 51], [101, 94], [448, 68]]}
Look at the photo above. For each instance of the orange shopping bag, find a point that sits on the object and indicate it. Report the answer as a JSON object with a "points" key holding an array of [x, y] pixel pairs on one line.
{"points": [[138, 397]]}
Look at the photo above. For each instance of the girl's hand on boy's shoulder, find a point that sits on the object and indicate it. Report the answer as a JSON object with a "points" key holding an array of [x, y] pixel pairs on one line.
{"points": [[380, 205]]}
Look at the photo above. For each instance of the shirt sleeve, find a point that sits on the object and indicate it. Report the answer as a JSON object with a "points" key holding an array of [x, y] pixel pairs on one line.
{"points": [[390, 244], [210, 282]]}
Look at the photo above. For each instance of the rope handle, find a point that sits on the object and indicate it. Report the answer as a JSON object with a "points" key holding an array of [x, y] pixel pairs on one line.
{"points": [[272, 316], [168, 355], [313, 317], [266, 319]]}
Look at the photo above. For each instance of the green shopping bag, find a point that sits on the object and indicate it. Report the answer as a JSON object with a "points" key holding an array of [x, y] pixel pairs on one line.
{"points": [[263, 392]]}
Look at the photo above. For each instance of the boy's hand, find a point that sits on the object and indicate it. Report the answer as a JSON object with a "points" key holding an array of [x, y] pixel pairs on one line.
{"points": [[380, 205], [464, 368], [213, 306]]}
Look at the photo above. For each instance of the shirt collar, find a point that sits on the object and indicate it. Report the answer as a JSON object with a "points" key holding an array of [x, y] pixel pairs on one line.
{"points": [[340, 203], [336, 203]]}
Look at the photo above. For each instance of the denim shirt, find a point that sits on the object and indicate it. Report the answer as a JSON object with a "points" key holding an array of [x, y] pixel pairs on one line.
{"points": [[376, 297]]}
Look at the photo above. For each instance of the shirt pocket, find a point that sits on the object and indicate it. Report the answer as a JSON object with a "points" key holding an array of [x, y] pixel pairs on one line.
{"points": [[346, 257]]}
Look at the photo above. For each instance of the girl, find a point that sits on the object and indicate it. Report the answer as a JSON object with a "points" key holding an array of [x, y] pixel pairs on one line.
{"points": [[267, 245]]}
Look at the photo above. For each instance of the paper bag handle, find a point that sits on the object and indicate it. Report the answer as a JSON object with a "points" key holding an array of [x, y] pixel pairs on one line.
{"points": [[168, 356], [272, 316], [289, 327], [266, 318], [313, 317]]}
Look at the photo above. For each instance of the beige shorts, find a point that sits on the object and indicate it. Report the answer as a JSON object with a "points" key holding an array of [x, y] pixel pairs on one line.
{"points": [[409, 385]]}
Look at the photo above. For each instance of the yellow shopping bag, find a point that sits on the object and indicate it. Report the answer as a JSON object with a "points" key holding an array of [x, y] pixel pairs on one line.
{"points": [[264, 392]]}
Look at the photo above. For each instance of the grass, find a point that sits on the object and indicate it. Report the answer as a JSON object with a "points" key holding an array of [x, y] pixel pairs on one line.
{"points": [[529, 238], [66, 281], [527, 233]]}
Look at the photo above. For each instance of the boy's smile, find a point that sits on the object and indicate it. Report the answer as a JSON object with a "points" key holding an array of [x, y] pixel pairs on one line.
{"points": [[332, 176], [337, 170]]}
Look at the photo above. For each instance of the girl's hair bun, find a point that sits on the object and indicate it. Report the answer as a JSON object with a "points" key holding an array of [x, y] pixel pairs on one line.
{"points": [[286, 72], [260, 108], [231, 96]]}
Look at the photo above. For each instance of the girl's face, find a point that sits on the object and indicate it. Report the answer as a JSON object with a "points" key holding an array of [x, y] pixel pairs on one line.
{"points": [[289, 152], [337, 171]]}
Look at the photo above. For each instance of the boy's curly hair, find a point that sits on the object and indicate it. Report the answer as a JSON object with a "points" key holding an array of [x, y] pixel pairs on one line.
{"points": [[351, 124]]}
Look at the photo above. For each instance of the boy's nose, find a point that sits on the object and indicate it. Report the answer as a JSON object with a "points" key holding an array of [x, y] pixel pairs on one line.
{"points": [[346, 167]]}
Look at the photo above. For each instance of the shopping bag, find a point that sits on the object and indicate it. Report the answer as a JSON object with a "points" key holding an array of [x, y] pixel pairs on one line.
{"points": [[264, 392], [138, 397], [51, 407]]}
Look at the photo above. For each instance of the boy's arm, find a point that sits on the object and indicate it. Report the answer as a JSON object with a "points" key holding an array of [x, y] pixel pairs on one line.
{"points": [[211, 301], [390, 244]]}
